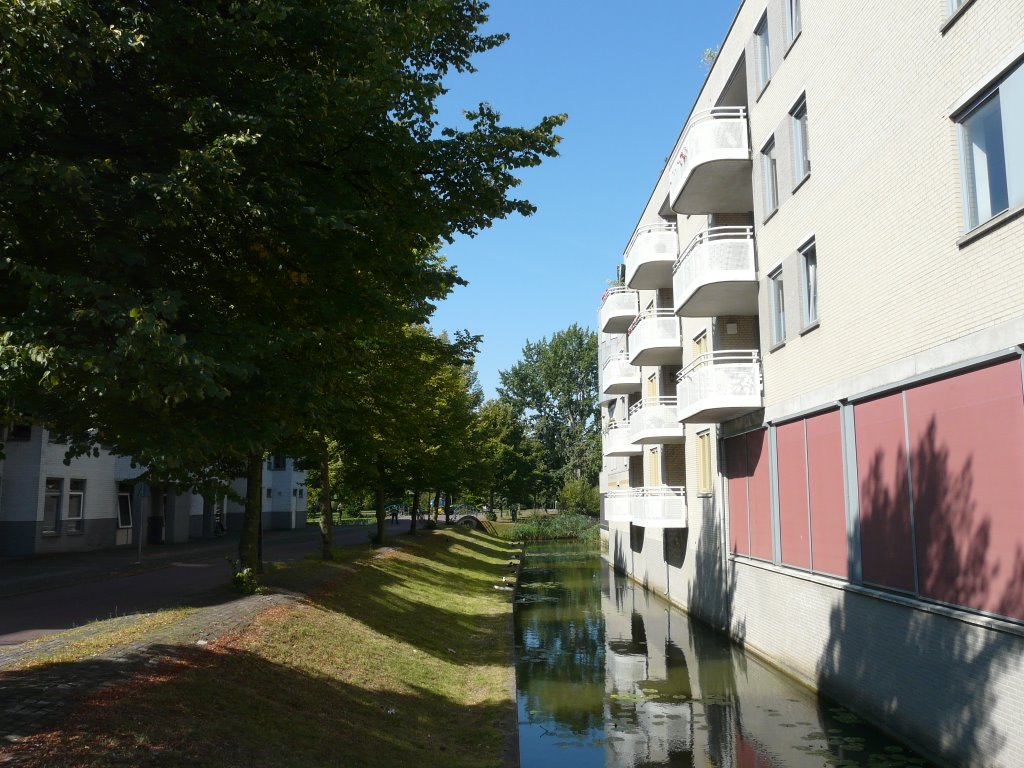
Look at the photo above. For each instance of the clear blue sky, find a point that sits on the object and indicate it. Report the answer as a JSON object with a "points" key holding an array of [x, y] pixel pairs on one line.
{"points": [[626, 74]]}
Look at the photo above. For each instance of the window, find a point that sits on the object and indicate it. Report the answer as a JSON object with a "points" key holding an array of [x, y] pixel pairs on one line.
{"points": [[992, 151], [764, 54], [777, 304], [76, 506], [295, 493], [124, 505], [270, 493], [280, 462], [770, 174], [792, 20], [704, 480], [19, 433], [51, 504], [700, 345], [801, 158], [301, 492], [809, 264]]}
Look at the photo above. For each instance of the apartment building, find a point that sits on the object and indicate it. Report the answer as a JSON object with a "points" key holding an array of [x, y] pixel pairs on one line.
{"points": [[47, 506], [811, 374]]}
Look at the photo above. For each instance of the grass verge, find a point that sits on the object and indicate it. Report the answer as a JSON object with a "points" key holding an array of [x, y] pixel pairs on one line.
{"points": [[403, 657]]}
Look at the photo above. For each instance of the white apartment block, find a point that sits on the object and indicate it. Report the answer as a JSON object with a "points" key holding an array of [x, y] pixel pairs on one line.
{"points": [[811, 378], [47, 506]]}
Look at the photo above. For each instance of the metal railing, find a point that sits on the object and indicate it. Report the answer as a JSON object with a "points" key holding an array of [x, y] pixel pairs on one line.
{"points": [[658, 505], [709, 131], [717, 248], [722, 375]]}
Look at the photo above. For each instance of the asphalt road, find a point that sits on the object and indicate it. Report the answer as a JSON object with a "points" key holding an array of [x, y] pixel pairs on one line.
{"points": [[88, 590]]}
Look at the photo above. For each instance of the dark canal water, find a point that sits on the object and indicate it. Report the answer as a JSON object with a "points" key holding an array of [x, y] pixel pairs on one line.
{"points": [[608, 675]]}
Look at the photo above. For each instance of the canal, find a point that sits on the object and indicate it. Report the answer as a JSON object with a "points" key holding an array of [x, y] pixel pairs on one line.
{"points": [[609, 675]]}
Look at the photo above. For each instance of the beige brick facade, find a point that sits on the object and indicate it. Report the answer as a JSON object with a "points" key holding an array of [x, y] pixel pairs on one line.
{"points": [[904, 295]]}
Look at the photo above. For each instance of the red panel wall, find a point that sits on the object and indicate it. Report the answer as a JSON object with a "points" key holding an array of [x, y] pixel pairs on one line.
{"points": [[793, 516], [829, 553], [967, 458], [759, 495], [736, 469], [886, 547]]}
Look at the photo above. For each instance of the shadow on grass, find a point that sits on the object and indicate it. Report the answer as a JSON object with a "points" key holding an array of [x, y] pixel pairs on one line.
{"points": [[232, 708], [429, 597]]}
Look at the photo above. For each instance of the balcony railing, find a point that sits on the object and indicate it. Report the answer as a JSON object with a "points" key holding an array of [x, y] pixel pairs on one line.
{"points": [[659, 506], [619, 306], [616, 505], [711, 173], [650, 255], [716, 274], [615, 441], [654, 338], [718, 386], [618, 376], [655, 420]]}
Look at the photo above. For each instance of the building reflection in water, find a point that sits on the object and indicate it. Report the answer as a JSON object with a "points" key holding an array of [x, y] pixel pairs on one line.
{"points": [[610, 675]]}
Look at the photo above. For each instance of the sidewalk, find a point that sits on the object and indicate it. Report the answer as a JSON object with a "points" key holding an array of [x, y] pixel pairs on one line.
{"points": [[19, 575]]}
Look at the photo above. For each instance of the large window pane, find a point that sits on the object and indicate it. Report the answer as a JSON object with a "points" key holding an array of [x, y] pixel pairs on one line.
{"points": [[984, 163]]}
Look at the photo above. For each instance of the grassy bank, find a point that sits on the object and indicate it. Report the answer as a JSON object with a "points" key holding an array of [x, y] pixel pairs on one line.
{"points": [[402, 656]]}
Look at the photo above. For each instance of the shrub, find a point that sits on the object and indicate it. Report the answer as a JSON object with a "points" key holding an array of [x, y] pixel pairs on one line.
{"points": [[564, 525], [579, 497]]}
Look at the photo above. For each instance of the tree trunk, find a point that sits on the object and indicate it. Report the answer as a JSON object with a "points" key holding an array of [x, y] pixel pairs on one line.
{"points": [[490, 503], [413, 511], [326, 512], [379, 502], [250, 545], [448, 508], [437, 502]]}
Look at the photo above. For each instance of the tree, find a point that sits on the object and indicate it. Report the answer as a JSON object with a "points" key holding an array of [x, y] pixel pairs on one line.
{"points": [[176, 273], [554, 387], [506, 456]]}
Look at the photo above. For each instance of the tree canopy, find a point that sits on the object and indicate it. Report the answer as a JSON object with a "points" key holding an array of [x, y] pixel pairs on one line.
{"points": [[207, 207], [554, 387]]}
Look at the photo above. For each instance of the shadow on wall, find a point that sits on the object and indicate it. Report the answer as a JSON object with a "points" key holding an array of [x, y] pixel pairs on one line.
{"points": [[713, 589], [872, 645]]}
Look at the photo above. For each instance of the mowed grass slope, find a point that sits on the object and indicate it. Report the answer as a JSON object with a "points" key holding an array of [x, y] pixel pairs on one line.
{"points": [[403, 658]]}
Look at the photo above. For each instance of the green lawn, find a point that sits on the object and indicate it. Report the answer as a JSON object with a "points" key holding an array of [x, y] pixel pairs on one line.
{"points": [[402, 657]]}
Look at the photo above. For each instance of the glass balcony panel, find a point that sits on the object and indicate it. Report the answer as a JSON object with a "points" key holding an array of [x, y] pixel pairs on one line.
{"points": [[617, 506], [619, 306], [650, 255], [615, 441], [654, 338], [711, 173], [719, 386], [619, 377], [655, 420], [716, 274], [661, 506]]}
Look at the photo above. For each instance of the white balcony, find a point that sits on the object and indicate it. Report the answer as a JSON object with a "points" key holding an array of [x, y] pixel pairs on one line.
{"points": [[655, 420], [618, 308], [616, 505], [654, 338], [650, 255], [615, 441], [711, 173], [719, 386], [716, 274], [618, 377], [661, 506]]}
